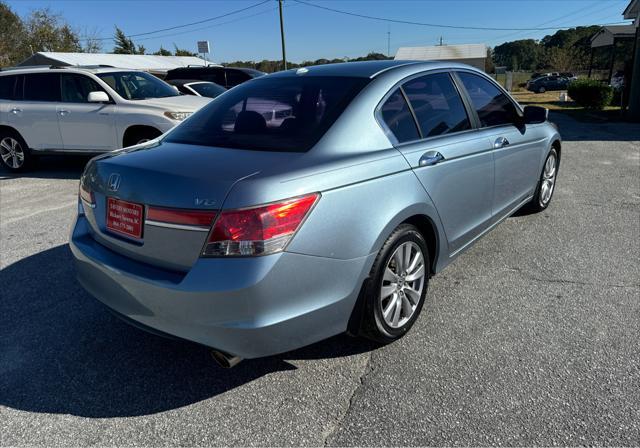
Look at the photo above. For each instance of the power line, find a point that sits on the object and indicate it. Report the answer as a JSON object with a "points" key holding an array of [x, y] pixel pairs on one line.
{"points": [[186, 24], [209, 26], [434, 25]]}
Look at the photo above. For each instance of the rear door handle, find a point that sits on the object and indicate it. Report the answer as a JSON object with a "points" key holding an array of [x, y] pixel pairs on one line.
{"points": [[430, 158], [63, 112], [500, 142]]}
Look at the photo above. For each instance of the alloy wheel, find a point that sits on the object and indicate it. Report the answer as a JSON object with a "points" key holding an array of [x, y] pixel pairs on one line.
{"points": [[402, 284], [548, 179], [11, 152]]}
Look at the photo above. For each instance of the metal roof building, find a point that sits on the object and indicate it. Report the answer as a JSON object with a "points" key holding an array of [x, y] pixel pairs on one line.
{"points": [[472, 54], [149, 63]]}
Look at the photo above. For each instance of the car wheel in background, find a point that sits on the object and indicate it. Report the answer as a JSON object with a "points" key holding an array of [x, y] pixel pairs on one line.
{"points": [[546, 183], [14, 153], [541, 89], [140, 136], [397, 288]]}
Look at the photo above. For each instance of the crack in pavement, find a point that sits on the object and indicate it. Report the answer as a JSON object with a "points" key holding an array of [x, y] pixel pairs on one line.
{"points": [[368, 368], [570, 282]]}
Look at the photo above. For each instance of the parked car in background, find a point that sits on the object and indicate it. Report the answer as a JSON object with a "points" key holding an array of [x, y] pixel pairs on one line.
{"points": [[569, 75], [83, 110], [223, 76], [544, 83], [197, 88], [308, 203]]}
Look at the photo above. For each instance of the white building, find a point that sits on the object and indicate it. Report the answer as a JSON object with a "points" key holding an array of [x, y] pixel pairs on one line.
{"points": [[472, 54], [150, 63]]}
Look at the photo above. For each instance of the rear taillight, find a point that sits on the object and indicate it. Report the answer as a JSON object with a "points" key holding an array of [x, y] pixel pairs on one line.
{"points": [[260, 230], [87, 195]]}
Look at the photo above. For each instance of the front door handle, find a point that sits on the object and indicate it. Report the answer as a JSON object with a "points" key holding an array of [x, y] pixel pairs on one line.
{"points": [[430, 158], [500, 142], [63, 112], [16, 111]]}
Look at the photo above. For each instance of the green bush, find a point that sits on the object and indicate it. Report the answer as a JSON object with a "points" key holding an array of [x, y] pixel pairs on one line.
{"points": [[590, 94]]}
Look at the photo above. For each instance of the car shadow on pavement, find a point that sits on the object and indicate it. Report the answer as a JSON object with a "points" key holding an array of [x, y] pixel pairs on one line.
{"points": [[572, 130], [62, 352], [51, 167]]}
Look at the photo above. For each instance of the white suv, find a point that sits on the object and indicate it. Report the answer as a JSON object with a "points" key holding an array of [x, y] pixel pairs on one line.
{"points": [[83, 110]]}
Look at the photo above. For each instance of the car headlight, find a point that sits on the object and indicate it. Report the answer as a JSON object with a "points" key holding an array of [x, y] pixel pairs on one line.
{"points": [[179, 116]]}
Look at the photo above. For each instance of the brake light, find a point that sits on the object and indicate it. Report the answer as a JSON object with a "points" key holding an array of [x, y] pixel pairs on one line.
{"points": [[87, 195], [260, 230]]}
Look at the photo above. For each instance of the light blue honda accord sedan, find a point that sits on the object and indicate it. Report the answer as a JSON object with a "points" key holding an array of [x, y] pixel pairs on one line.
{"points": [[308, 203]]}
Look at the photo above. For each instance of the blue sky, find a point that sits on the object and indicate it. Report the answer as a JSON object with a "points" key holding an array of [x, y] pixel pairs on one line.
{"points": [[314, 33]]}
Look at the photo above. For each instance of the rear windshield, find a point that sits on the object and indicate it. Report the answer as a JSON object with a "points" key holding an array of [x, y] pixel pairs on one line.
{"points": [[271, 114]]}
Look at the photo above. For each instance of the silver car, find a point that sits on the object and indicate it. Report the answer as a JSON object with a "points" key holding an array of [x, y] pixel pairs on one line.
{"points": [[308, 203]]}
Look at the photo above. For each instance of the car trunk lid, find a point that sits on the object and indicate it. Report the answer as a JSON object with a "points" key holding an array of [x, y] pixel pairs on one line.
{"points": [[162, 178]]}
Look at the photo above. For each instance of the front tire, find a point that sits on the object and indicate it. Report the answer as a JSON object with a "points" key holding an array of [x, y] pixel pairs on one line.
{"points": [[396, 292], [542, 90], [546, 183], [14, 152]]}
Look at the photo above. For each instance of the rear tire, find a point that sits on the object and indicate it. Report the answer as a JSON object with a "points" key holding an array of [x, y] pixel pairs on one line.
{"points": [[135, 137], [542, 90], [546, 184], [14, 152], [395, 294]]}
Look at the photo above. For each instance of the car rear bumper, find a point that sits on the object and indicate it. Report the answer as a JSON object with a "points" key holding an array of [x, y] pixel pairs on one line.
{"points": [[248, 307]]}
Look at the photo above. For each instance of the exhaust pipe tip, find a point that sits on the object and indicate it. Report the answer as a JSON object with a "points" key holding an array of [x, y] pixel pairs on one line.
{"points": [[225, 360]]}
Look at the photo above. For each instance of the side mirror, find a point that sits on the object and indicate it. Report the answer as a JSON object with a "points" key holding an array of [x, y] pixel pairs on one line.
{"points": [[175, 88], [535, 114], [98, 97]]}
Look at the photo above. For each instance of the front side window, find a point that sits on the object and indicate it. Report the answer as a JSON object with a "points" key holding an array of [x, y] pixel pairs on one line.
{"points": [[42, 87], [398, 118], [492, 105], [271, 114], [137, 85], [76, 88], [437, 104]]}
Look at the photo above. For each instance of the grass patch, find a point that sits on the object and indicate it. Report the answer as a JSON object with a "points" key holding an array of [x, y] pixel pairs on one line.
{"points": [[551, 100]]}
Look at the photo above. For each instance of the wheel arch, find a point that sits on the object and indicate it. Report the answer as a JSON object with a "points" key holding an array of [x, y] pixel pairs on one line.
{"points": [[135, 128], [4, 127]]}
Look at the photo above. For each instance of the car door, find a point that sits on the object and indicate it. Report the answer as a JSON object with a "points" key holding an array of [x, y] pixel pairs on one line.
{"points": [[517, 148], [427, 117], [84, 125], [33, 113]]}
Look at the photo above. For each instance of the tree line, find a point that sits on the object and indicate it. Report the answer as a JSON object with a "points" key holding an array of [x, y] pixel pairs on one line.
{"points": [[563, 51]]}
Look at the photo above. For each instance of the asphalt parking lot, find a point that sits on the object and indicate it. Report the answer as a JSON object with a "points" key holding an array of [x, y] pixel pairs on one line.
{"points": [[530, 338]]}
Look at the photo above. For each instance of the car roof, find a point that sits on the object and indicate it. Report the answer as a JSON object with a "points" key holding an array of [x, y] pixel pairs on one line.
{"points": [[68, 68], [181, 82], [365, 69]]}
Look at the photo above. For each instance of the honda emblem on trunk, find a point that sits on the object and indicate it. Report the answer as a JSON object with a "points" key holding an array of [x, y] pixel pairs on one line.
{"points": [[114, 182]]}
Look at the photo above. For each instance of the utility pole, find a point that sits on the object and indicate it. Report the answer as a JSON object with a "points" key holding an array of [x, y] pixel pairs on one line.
{"points": [[388, 43], [284, 53], [441, 41]]}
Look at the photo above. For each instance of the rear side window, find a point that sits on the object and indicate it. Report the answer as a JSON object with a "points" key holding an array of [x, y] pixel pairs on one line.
{"points": [[492, 105], [235, 77], [42, 87], [437, 104], [398, 118], [271, 114], [7, 85], [76, 88]]}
